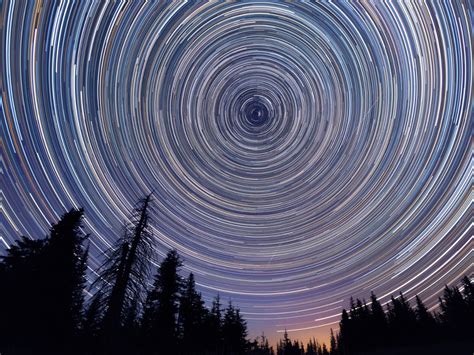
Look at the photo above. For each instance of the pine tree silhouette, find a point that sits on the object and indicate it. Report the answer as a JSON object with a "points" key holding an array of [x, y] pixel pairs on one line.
{"points": [[402, 321], [311, 347], [378, 324], [333, 343], [234, 331], [455, 314], [161, 309], [264, 347], [426, 324], [192, 318], [345, 333], [124, 274], [260, 346], [92, 323], [214, 326], [66, 263], [21, 275], [45, 281], [325, 350]]}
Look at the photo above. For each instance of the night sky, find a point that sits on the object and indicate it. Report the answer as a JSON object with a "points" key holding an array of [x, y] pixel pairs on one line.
{"points": [[298, 153]]}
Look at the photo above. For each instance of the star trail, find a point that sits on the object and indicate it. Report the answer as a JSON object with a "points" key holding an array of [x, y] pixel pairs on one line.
{"points": [[298, 153]]}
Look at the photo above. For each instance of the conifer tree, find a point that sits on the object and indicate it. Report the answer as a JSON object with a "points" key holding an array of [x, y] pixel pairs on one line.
{"points": [[345, 333], [234, 330], [265, 349], [333, 343], [161, 307], [124, 274], [402, 321], [66, 262], [45, 281], [455, 314], [325, 350], [378, 323], [92, 322], [192, 318], [426, 324], [21, 273], [214, 325], [311, 347], [93, 315]]}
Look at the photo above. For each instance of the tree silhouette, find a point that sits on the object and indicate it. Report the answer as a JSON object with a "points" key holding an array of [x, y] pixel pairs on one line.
{"points": [[92, 322], [402, 321], [234, 331], [66, 263], [43, 286], [45, 281], [333, 343], [354, 327], [214, 326], [192, 318], [378, 323], [455, 314], [21, 273], [404, 326], [345, 333], [426, 323], [287, 347], [260, 346], [124, 274], [162, 304], [284, 346], [311, 347], [325, 350]]}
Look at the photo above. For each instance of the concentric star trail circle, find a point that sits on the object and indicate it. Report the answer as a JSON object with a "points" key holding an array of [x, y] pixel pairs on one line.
{"points": [[298, 153]]}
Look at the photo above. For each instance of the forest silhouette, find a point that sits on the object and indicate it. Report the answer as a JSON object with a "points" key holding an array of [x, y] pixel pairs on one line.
{"points": [[48, 308]]}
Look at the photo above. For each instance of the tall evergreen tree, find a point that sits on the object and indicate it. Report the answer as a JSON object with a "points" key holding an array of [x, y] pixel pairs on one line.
{"points": [[66, 262], [455, 314], [345, 333], [363, 328], [426, 324], [92, 322], [214, 325], [192, 318], [333, 343], [234, 331], [265, 349], [21, 277], [124, 274], [355, 326], [162, 304], [45, 281], [93, 314], [402, 321], [378, 323], [284, 345], [287, 347]]}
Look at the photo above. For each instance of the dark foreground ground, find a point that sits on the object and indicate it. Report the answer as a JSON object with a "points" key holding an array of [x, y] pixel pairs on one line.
{"points": [[462, 348]]}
